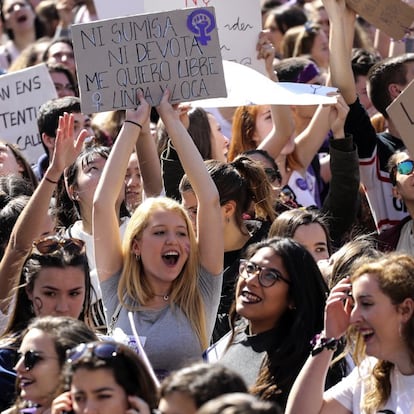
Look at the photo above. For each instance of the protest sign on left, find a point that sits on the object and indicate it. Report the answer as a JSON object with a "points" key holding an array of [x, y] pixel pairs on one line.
{"points": [[21, 95]]}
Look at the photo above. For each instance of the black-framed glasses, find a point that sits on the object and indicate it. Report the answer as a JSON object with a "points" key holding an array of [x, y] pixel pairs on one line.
{"points": [[267, 276], [405, 167], [101, 350], [51, 244], [273, 175], [31, 358]]}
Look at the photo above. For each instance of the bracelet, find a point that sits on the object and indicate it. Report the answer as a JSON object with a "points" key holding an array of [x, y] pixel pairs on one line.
{"points": [[320, 342], [50, 181], [133, 122]]}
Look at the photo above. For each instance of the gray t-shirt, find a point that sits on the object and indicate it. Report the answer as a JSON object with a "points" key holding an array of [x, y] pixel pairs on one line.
{"points": [[166, 334]]}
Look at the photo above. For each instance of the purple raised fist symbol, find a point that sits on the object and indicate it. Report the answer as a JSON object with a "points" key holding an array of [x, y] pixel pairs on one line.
{"points": [[201, 22]]}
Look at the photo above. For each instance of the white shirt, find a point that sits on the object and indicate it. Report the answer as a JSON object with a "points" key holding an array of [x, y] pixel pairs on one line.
{"points": [[351, 390]]}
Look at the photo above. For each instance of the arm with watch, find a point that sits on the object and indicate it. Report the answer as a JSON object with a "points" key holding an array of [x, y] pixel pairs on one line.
{"points": [[307, 393]]}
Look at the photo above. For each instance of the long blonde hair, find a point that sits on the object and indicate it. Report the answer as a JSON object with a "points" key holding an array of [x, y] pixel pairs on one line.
{"points": [[185, 292]]}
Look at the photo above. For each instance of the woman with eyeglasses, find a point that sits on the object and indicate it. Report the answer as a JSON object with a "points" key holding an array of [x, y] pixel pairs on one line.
{"points": [[63, 80], [42, 274], [105, 377], [279, 303], [40, 359], [246, 212]]}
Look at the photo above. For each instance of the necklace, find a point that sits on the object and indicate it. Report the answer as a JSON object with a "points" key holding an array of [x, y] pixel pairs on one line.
{"points": [[165, 297]]}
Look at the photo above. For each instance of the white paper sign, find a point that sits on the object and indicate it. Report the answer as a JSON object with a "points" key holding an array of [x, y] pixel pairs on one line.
{"points": [[239, 22], [246, 86], [21, 95]]}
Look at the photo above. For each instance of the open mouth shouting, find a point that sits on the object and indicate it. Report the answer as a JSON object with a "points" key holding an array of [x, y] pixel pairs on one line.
{"points": [[171, 257], [22, 18]]}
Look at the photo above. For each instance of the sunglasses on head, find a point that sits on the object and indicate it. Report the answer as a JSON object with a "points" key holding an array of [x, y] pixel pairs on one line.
{"points": [[51, 244], [405, 167], [101, 350], [30, 359]]}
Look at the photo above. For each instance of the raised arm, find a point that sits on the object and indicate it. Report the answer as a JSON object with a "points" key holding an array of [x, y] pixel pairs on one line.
{"points": [[283, 128], [149, 162], [312, 137], [30, 224], [342, 23], [209, 220], [340, 205], [107, 239], [306, 395], [283, 124]]}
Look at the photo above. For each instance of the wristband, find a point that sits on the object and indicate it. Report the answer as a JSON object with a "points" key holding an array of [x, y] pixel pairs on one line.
{"points": [[320, 342], [50, 181], [133, 122]]}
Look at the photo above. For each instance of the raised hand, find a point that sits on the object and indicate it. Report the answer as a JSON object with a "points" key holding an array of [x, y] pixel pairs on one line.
{"points": [[140, 114], [67, 148], [337, 117], [137, 405], [266, 51], [62, 404], [338, 309]]}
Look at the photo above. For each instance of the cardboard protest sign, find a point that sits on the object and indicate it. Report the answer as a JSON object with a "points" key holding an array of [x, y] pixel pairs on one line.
{"points": [[245, 86], [238, 21], [21, 95], [178, 50], [401, 112], [394, 17]]}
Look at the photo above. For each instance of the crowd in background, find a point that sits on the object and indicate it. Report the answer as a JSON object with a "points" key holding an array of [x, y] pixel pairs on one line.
{"points": [[180, 260]]}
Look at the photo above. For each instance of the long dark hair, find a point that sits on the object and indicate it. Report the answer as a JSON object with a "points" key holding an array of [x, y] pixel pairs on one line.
{"points": [[200, 131], [297, 326]]}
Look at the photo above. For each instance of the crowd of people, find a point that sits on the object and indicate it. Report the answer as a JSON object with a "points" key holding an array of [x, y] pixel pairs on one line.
{"points": [[151, 263]]}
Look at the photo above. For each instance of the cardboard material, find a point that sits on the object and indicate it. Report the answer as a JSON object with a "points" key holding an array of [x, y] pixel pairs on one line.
{"points": [[178, 50], [245, 86], [239, 22], [21, 95], [401, 112], [394, 17]]}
